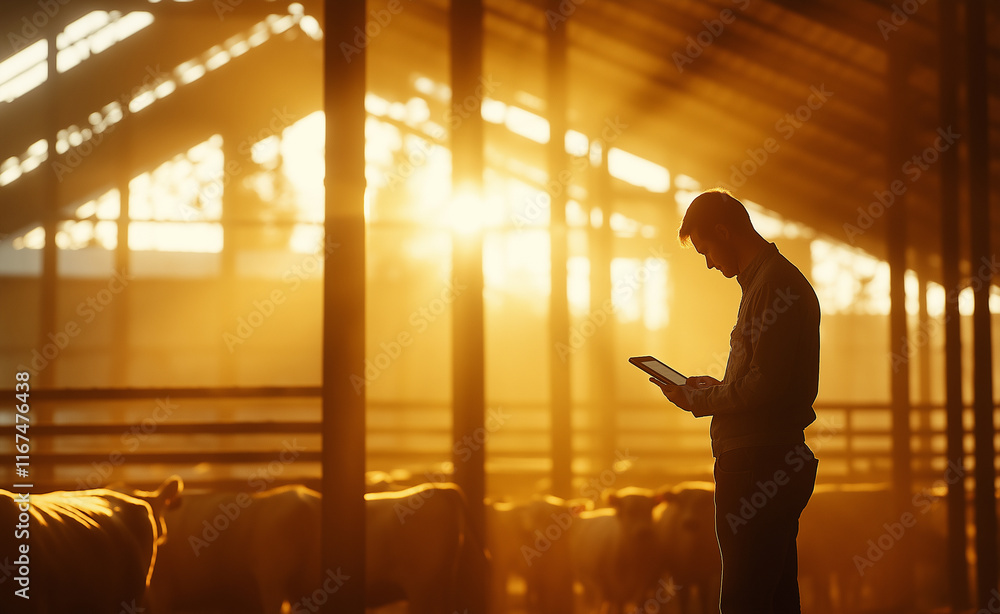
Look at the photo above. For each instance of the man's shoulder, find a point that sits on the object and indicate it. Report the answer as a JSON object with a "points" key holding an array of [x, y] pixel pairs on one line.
{"points": [[778, 264], [780, 272]]}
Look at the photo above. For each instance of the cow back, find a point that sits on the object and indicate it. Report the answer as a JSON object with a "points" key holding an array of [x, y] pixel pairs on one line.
{"points": [[90, 551], [237, 550]]}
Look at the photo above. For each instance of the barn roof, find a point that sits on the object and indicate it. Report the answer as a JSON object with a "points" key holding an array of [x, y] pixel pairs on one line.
{"points": [[789, 103]]}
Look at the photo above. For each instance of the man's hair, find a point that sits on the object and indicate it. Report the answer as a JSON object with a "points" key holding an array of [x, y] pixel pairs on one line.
{"points": [[715, 206]]}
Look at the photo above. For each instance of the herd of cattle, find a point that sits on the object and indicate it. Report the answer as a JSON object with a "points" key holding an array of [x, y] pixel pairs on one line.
{"points": [[637, 550]]}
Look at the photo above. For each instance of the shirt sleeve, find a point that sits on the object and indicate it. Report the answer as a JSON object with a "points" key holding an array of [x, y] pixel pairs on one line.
{"points": [[771, 336]]}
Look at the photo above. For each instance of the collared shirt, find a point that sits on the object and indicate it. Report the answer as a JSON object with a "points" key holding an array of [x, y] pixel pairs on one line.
{"points": [[772, 376]]}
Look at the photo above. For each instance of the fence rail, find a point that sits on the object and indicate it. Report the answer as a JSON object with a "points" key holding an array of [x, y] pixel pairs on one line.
{"points": [[76, 432]]}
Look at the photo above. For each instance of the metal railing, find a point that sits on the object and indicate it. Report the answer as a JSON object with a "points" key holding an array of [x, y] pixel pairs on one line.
{"points": [[76, 432]]}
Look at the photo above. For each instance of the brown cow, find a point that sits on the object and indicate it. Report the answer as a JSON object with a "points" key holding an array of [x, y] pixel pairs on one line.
{"points": [[850, 557], [239, 552], [685, 531], [86, 552], [613, 550], [530, 540]]}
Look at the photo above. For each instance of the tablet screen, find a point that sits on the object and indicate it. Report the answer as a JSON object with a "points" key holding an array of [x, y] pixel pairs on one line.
{"points": [[660, 370], [665, 372]]}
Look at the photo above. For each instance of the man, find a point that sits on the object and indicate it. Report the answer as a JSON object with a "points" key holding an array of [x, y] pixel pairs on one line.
{"points": [[764, 472]]}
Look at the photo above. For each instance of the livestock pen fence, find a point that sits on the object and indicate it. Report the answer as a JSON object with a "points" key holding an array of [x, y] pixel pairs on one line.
{"points": [[256, 438]]}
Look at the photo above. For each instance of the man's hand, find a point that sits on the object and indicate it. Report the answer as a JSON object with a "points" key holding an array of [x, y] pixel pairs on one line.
{"points": [[702, 381], [675, 394], [680, 395]]}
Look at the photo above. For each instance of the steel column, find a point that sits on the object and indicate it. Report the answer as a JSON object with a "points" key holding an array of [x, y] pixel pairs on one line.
{"points": [[948, 83], [977, 80], [343, 479], [559, 358], [49, 207], [561, 426], [602, 366], [468, 346], [899, 146]]}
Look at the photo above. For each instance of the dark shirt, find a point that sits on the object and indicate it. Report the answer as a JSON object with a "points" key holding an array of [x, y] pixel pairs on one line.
{"points": [[772, 376]]}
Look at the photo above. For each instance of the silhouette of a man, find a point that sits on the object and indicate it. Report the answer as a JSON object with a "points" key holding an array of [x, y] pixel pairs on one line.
{"points": [[764, 472]]}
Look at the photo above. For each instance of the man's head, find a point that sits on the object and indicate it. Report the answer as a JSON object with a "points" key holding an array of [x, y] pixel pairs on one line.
{"points": [[718, 226]]}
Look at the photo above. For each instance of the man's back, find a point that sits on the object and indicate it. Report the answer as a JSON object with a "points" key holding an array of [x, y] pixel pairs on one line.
{"points": [[772, 377]]}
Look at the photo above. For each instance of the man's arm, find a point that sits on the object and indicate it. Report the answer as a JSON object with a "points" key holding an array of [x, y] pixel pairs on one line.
{"points": [[679, 395], [775, 330]]}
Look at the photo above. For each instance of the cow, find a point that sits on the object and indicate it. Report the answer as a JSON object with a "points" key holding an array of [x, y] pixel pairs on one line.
{"points": [[613, 550], [686, 540], [850, 558], [529, 540], [240, 552], [87, 551], [421, 547], [237, 552]]}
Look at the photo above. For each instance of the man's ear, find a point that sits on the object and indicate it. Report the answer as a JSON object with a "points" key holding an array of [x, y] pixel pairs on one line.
{"points": [[722, 232]]}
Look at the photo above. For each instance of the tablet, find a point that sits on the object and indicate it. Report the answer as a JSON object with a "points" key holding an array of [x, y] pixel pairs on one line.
{"points": [[658, 370]]}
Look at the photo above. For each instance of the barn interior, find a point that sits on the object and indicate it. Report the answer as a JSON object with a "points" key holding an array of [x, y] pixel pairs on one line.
{"points": [[506, 180]]}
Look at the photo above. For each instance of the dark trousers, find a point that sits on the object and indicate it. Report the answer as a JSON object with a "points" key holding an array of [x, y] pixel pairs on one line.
{"points": [[759, 494]]}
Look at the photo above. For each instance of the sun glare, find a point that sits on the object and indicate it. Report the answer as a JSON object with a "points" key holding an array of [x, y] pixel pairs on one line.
{"points": [[177, 207], [467, 212]]}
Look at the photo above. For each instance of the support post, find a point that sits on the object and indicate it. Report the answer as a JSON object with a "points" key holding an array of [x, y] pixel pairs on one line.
{"points": [[561, 426], [49, 295], [120, 344], [468, 347], [602, 366], [559, 355], [342, 531], [948, 82], [898, 147], [924, 462], [977, 80], [230, 286]]}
